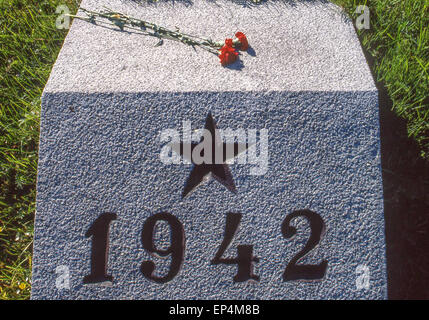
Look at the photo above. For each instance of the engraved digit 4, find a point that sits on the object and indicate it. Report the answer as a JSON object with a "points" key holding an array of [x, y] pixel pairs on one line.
{"points": [[99, 231], [176, 249], [293, 270], [245, 256]]}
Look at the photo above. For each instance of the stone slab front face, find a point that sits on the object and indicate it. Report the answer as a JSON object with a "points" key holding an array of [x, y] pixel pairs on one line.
{"points": [[115, 104]]}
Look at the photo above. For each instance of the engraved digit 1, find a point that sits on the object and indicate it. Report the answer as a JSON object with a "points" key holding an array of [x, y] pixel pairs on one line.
{"points": [[99, 231], [176, 249], [293, 270]]}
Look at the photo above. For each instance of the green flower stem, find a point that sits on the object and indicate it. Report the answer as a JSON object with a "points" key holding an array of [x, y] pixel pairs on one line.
{"points": [[122, 21]]}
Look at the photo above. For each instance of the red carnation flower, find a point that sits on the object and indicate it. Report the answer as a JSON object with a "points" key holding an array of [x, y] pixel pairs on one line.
{"points": [[228, 43], [244, 44], [227, 54]]}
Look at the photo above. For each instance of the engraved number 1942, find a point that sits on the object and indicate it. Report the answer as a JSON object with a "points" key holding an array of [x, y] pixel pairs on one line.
{"points": [[99, 231]]}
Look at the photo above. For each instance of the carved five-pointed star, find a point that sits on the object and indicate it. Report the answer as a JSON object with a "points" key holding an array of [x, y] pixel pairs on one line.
{"points": [[220, 153]]}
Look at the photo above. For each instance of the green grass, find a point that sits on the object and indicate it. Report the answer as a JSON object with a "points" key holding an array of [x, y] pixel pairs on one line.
{"points": [[398, 39], [29, 44]]}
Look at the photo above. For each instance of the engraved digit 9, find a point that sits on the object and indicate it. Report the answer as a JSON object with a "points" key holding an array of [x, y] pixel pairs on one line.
{"points": [[305, 272], [176, 249]]}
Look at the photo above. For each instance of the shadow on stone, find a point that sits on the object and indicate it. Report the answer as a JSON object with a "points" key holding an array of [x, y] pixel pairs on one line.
{"points": [[238, 65], [251, 52]]}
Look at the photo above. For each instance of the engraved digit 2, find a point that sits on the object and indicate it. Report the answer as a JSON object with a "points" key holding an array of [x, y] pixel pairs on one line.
{"points": [[176, 249], [293, 270], [99, 231]]}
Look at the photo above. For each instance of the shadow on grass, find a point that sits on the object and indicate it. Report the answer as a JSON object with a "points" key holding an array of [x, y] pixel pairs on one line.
{"points": [[406, 204]]}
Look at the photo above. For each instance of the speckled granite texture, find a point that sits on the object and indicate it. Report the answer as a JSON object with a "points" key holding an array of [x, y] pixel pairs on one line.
{"points": [[110, 95]]}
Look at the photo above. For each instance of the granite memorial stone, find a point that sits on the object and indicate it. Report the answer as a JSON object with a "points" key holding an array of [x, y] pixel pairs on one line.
{"points": [[163, 175]]}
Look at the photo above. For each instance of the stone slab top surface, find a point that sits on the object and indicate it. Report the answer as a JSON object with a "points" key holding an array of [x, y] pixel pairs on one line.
{"points": [[296, 46]]}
